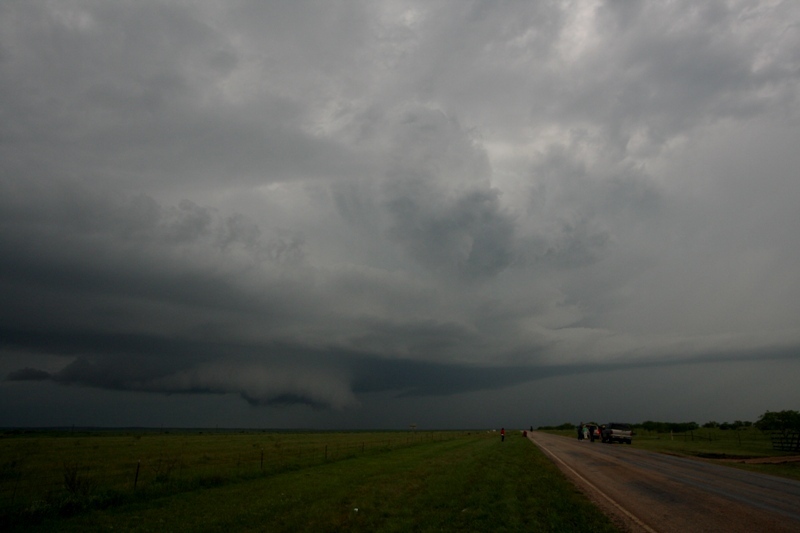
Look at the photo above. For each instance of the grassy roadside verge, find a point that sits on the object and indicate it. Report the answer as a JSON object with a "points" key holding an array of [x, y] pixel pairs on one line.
{"points": [[469, 484]]}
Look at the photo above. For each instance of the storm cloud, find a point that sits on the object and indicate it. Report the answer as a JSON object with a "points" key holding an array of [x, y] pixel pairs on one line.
{"points": [[331, 210]]}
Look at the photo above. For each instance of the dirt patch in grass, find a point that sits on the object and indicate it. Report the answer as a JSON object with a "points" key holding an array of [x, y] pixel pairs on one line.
{"points": [[748, 459], [764, 460]]}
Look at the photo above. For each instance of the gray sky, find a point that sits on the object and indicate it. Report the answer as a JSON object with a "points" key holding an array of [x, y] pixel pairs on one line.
{"points": [[369, 214]]}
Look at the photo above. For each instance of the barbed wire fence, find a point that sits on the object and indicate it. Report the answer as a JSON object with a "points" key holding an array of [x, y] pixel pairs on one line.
{"points": [[69, 482]]}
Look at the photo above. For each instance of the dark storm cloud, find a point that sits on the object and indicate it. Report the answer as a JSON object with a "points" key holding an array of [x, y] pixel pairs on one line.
{"points": [[471, 236], [435, 199], [309, 204], [478, 219], [420, 378], [28, 374], [153, 298], [137, 249], [142, 98], [657, 70]]}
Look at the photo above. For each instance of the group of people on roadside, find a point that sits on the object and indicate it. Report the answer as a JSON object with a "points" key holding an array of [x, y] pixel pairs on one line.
{"points": [[503, 433], [589, 431]]}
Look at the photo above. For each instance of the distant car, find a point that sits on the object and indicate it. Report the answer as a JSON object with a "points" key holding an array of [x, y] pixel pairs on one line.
{"points": [[617, 432]]}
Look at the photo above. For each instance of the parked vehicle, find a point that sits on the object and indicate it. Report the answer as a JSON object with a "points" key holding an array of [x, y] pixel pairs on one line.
{"points": [[617, 432]]}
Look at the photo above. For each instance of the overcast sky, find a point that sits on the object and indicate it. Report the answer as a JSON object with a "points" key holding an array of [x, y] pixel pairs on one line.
{"points": [[359, 214]]}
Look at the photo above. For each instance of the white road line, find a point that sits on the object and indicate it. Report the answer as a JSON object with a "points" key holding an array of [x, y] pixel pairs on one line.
{"points": [[597, 490]]}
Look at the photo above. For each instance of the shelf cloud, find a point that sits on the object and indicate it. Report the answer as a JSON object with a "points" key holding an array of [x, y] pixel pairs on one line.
{"points": [[332, 210]]}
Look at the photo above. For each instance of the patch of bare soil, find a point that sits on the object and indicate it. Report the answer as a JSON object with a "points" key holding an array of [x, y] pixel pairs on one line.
{"points": [[767, 460], [747, 458]]}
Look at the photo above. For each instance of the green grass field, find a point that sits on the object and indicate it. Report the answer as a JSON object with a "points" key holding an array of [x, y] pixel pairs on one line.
{"points": [[33, 464], [452, 481]]}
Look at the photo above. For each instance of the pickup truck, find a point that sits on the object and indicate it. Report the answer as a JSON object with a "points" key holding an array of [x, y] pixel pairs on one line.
{"points": [[616, 432]]}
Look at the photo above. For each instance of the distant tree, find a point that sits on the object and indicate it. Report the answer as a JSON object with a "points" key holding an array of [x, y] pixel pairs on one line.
{"points": [[711, 425], [785, 425], [783, 421], [649, 425], [564, 426], [666, 427]]}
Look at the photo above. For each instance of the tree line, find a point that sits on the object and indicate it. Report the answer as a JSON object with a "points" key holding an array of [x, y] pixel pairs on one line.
{"points": [[783, 421]]}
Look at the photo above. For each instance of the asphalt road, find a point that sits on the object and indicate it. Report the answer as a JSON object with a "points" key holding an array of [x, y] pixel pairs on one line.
{"points": [[646, 491]]}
